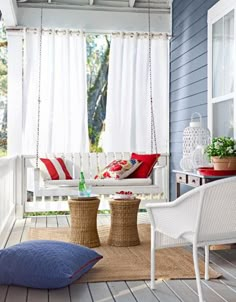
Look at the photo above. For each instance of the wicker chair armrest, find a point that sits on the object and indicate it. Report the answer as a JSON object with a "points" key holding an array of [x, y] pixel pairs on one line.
{"points": [[175, 218]]}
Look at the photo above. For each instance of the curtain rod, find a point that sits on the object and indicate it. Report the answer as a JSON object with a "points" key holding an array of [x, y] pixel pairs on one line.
{"points": [[71, 31]]}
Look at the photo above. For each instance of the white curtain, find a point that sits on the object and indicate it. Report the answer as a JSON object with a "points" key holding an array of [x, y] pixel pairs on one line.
{"points": [[128, 118], [63, 121]]}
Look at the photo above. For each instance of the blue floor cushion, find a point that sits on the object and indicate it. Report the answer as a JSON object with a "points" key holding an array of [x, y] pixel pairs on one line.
{"points": [[45, 263]]}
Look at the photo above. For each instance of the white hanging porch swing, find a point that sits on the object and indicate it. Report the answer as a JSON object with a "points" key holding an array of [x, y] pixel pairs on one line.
{"points": [[90, 162]]}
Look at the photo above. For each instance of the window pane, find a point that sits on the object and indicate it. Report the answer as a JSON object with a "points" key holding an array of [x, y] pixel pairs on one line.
{"points": [[217, 59], [223, 124], [229, 53]]}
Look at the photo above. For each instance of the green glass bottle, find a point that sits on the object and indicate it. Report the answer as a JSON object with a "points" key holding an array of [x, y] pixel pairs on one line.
{"points": [[82, 185]]}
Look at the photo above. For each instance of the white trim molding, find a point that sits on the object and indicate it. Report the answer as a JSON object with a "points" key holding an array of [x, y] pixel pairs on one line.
{"points": [[220, 9], [9, 12], [217, 12]]}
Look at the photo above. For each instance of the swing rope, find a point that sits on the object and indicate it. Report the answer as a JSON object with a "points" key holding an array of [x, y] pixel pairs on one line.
{"points": [[39, 89], [153, 126]]}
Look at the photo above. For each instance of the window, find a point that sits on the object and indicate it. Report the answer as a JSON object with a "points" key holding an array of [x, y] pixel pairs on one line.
{"points": [[221, 69]]}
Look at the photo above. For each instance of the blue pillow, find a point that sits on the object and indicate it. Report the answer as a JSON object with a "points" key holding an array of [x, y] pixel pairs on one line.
{"points": [[45, 263]]}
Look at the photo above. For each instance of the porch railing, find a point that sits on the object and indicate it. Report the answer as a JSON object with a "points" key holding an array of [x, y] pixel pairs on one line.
{"points": [[8, 192]]}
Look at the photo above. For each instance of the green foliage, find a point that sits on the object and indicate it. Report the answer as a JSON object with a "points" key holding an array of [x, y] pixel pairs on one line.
{"points": [[48, 213], [3, 152], [3, 78], [94, 146], [221, 146], [3, 90], [54, 213]]}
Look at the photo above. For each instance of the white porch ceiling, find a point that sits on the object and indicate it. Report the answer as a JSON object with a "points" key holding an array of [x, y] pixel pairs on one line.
{"points": [[89, 15], [141, 6]]}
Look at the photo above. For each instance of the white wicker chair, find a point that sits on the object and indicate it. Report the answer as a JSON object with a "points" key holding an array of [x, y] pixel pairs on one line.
{"points": [[202, 217]]}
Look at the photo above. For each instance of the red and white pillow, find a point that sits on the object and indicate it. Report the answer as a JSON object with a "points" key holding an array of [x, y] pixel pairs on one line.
{"points": [[54, 169], [119, 169]]}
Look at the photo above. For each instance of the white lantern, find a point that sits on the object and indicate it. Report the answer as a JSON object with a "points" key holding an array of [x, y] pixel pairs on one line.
{"points": [[194, 137]]}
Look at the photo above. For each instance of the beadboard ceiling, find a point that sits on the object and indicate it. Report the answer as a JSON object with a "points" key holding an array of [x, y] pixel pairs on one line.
{"points": [[156, 6]]}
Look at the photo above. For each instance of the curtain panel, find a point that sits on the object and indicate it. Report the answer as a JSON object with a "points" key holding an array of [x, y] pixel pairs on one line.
{"points": [[128, 114], [63, 121]]}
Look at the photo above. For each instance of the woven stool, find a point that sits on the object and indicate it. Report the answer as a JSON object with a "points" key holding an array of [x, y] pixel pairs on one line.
{"points": [[124, 231], [84, 221]]}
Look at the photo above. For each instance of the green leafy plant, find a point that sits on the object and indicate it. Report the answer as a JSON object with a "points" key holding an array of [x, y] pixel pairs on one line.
{"points": [[221, 146]]}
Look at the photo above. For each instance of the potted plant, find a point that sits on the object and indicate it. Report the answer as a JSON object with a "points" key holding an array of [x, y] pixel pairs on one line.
{"points": [[222, 152]]}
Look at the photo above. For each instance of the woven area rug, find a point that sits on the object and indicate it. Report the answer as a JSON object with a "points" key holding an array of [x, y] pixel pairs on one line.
{"points": [[129, 263]]}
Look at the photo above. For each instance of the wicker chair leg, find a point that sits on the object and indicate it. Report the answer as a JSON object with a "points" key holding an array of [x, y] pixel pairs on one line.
{"points": [[206, 262], [153, 259], [197, 273]]}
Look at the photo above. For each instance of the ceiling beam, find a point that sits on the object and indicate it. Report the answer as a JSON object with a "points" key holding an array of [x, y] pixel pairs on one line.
{"points": [[9, 12], [90, 20], [59, 6], [131, 3]]}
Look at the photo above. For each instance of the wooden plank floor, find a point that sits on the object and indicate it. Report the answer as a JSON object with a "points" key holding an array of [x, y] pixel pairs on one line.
{"points": [[122, 291]]}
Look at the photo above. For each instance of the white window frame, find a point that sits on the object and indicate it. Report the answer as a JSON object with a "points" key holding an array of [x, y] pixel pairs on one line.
{"points": [[218, 11]]}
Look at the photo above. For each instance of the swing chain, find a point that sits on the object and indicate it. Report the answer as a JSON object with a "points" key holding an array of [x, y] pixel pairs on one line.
{"points": [[153, 126], [39, 89]]}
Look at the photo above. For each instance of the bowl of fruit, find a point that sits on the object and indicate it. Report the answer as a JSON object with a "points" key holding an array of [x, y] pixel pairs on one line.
{"points": [[123, 195]]}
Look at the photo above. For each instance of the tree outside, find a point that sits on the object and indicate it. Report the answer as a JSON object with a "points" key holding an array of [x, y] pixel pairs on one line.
{"points": [[98, 49], [3, 90]]}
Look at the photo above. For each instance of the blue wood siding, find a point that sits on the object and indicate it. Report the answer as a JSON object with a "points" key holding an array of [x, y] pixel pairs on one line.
{"points": [[188, 72]]}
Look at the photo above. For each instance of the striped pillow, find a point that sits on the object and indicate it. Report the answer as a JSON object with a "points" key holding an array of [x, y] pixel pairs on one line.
{"points": [[54, 169]]}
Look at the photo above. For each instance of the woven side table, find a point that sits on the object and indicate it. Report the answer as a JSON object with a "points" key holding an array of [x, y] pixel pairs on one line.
{"points": [[84, 221], [124, 230]]}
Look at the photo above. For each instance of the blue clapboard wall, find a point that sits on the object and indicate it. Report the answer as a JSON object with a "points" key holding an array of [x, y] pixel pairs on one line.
{"points": [[188, 72]]}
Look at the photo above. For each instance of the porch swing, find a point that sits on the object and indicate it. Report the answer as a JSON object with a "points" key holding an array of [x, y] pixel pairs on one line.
{"points": [[90, 162]]}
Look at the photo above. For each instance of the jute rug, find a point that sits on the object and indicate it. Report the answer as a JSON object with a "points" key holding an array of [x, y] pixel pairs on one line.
{"points": [[130, 263]]}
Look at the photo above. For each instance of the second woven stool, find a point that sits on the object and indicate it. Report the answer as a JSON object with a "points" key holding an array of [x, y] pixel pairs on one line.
{"points": [[124, 230]]}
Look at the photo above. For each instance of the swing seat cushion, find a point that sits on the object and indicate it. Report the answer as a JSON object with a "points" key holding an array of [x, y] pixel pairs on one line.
{"points": [[148, 162], [101, 182], [45, 263]]}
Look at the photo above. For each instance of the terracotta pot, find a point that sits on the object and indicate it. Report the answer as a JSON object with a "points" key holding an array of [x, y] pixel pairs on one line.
{"points": [[224, 163]]}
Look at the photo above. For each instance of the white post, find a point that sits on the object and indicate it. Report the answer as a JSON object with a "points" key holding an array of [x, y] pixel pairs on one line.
{"points": [[9, 11], [14, 110], [15, 92]]}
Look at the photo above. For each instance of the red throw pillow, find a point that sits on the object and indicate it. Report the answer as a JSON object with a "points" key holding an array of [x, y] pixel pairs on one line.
{"points": [[148, 162], [54, 169]]}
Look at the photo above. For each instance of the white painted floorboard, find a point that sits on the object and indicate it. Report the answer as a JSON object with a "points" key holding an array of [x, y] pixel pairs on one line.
{"points": [[121, 291], [220, 290], [37, 295], [80, 292]]}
